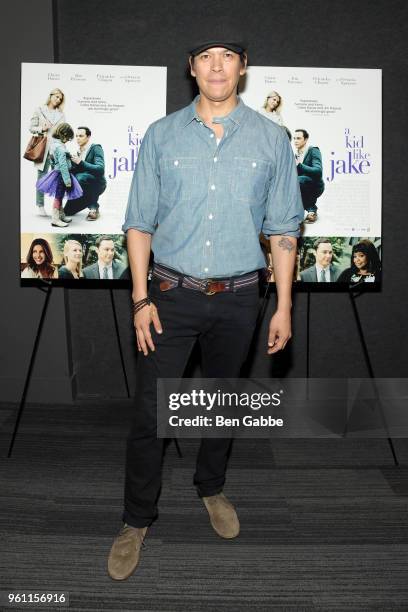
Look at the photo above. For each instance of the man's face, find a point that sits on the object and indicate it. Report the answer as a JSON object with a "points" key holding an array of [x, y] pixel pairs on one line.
{"points": [[324, 254], [217, 72], [299, 140], [106, 252], [81, 138]]}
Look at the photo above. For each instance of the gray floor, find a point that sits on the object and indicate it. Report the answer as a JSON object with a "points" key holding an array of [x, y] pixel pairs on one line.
{"points": [[324, 523]]}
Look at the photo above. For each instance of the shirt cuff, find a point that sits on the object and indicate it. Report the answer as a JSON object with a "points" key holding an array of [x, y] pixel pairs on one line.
{"points": [[142, 227], [281, 231]]}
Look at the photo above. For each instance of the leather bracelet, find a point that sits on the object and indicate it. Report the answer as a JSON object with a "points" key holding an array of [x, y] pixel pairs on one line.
{"points": [[140, 304]]}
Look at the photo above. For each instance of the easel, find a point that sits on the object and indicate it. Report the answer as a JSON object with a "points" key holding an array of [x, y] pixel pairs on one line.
{"points": [[46, 287], [354, 292]]}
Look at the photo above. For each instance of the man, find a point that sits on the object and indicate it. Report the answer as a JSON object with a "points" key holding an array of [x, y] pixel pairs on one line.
{"points": [[310, 170], [106, 266], [323, 270], [89, 168], [208, 179]]}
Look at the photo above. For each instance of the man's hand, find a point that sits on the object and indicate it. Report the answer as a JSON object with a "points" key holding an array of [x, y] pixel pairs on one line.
{"points": [[279, 331], [142, 321], [76, 159]]}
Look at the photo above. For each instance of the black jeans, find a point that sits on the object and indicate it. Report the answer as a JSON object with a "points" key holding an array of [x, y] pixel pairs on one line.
{"points": [[309, 192], [223, 324], [89, 199]]}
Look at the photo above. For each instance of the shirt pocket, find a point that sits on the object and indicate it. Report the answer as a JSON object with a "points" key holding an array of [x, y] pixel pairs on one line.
{"points": [[249, 178], [179, 178]]}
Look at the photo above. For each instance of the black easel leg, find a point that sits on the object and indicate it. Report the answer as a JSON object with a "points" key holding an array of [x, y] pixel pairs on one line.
{"points": [[180, 454], [30, 368], [119, 343], [370, 368], [308, 336]]}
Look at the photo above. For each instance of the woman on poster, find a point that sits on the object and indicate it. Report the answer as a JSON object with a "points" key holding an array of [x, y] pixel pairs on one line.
{"points": [[45, 120], [272, 106], [39, 261], [73, 254], [365, 264]]}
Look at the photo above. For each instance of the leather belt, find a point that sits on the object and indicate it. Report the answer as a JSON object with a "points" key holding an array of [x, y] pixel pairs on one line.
{"points": [[171, 278]]}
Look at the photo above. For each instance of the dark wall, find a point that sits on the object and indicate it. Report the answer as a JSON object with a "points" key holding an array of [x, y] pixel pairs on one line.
{"points": [[317, 33], [26, 35]]}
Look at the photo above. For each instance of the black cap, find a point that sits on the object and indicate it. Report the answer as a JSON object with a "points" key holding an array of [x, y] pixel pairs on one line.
{"points": [[222, 32], [237, 47]]}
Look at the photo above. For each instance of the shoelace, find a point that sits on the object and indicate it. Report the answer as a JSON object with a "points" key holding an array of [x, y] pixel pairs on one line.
{"points": [[124, 527]]}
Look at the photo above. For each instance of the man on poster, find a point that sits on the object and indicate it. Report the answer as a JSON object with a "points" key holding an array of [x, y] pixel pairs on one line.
{"points": [[310, 172], [323, 271], [106, 267], [208, 179], [89, 169]]}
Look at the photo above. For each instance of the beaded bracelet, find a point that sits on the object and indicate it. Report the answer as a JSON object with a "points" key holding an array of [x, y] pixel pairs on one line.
{"points": [[140, 304]]}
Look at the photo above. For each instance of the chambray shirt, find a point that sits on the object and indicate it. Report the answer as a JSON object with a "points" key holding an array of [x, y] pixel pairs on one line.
{"points": [[206, 204]]}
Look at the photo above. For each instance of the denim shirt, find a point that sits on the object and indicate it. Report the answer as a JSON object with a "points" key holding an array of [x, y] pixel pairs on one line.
{"points": [[206, 204], [61, 160]]}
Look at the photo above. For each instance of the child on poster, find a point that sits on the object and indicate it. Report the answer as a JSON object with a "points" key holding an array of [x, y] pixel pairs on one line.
{"points": [[60, 181]]}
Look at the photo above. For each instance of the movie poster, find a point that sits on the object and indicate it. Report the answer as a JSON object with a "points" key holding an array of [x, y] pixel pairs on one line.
{"points": [[332, 117], [81, 130]]}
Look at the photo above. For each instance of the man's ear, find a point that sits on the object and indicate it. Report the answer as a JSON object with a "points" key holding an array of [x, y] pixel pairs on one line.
{"points": [[191, 62], [243, 65]]}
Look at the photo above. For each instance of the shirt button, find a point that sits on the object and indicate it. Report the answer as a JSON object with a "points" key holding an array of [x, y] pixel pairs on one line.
{"points": [[208, 243], [254, 164], [176, 163], [215, 159], [205, 269], [211, 135], [210, 216], [212, 187]]}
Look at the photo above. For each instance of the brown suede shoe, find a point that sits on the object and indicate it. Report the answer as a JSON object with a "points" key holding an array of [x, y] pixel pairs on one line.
{"points": [[125, 552], [311, 217], [223, 517], [93, 215]]}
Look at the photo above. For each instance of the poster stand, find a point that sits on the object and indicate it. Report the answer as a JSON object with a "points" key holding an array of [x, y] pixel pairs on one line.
{"points": [[354, 292], [115, 318], [46, 287]]}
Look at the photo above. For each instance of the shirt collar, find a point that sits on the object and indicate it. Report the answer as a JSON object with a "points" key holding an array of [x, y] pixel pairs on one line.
{"points": [[302, 152], [236, 115], [84, 151]]}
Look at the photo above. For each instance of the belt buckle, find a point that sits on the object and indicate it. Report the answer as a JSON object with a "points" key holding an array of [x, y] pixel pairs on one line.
{"points": [[207, 286]]}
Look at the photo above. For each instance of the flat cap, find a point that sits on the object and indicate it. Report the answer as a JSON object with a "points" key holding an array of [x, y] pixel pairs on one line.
{"points": [[219, 32], [237, 46]]}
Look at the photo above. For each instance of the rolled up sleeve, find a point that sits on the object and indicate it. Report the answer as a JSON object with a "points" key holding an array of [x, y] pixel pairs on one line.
{"points": [[284, 208], [142, 206]]}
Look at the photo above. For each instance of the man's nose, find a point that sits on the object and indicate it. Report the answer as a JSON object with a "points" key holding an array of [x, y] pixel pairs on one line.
{"points": [[217, 64]]}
